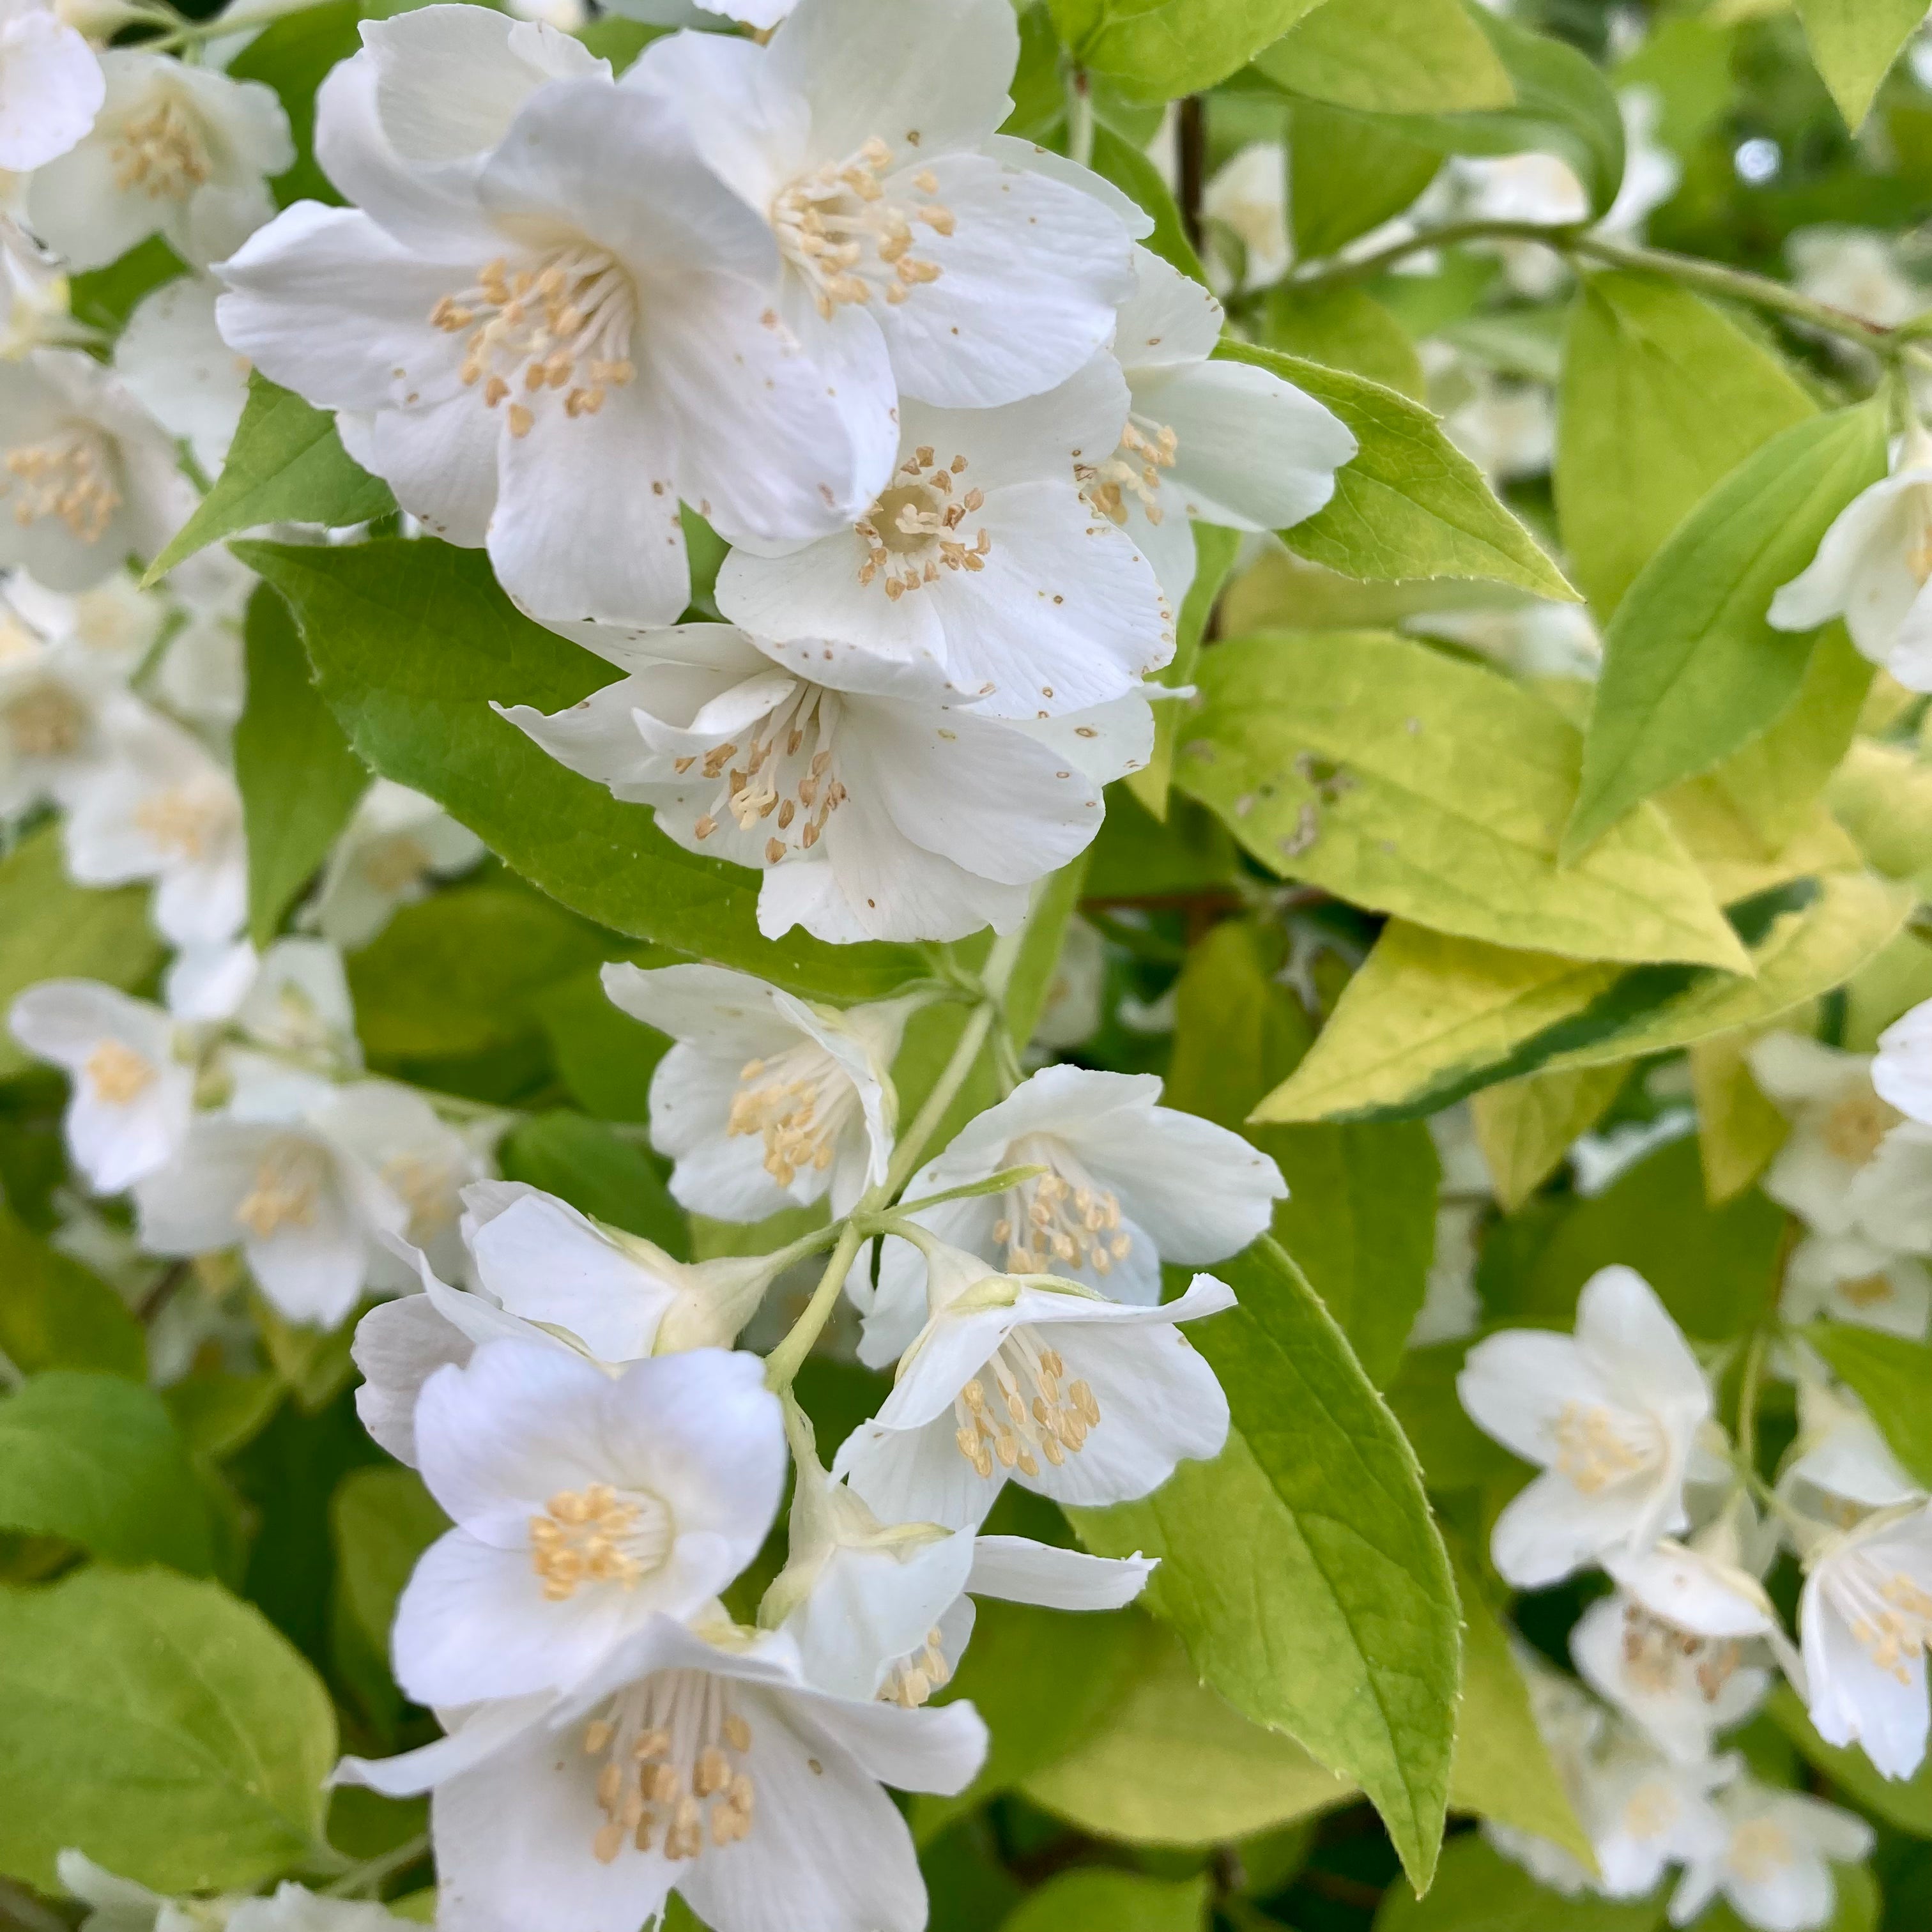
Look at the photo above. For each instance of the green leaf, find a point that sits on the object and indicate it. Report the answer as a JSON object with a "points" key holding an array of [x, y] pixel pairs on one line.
{"points": [[1055, 901], [1455, 1454], [95, 1460], [1409, 504], [380, 1520], [1097, 1898], [55, 1314], [1890, 1375], [286, 465], [1564, 106], [299, 780], [603, 1176], [1715, 1269], [1503, 1768], [1218, 1776], [1854, 43], [1662, 396], [1882, 795], [1044, 1681], [1215, 549], [1808, 950], [163, 1728], [52, 929], [1338, 325], [1400, 778], [1346, 175], [1526, 1126], [1390, 57], [412, 641], [1130, 171], [1301, 1567], [1158, 50], [605, 1057], [1360, 1218], [458, 974], [1477, 1889], [1904, 1803], [1692, 670]]}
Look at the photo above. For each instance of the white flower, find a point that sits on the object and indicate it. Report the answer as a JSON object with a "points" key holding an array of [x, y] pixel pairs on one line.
{"points": [[1673, 1648], [391, 852], [119, 1905], [1871, 570], [1851, 1279], [308, 1178], [697, 1759], [1572, 1725], [1902, 1070], [1248, 196], [1865, 1620], [298, 1006], [583, 1505], [1772, 1859], [1085, 1400], [875, 811], [543, 346], [765, 1102], [882, 1610], [982, 561], [34, 309], [1075, 1005], [162, 809], [172, 358], [1837, 1120], [201, 676], [545, 1274], [176, 151], [115, 625], [56, 701], [1841, 1466], [1128, 1184], [1612, 1415], [1225, 442], [51, 86], [1854, 269], [131, 1094], [89, 476], [918, 259]]}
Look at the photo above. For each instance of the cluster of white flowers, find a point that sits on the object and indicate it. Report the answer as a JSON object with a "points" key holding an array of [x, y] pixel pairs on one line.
{"points": [[1636, 1478]]}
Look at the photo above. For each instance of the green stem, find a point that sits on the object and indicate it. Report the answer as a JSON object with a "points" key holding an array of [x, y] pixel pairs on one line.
{"points": [[1712, 278], [994, 1183], [1747, 1388], [784, 1361], [1079, 118], [367, 1875]]}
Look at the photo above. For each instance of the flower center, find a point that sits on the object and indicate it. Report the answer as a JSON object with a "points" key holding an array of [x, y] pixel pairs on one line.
{"points": [[912, 530], [800, 1103], [1856, 1125], [596, 1535], [1146, 448], [671, 1746], [1058, 1216], [787, 781], [395, 864], [1890, 1615], [1027, 1414], [289, 1182], [1596, 1446], [841, 230], [70, 476], [1918, 553], [426, 1186], [1650, 1811], [187, 821], [563, 322], [1868, 1290], [162, 150], [118, 1074], [914, 1677], [47, 721], [1656, 1654], [1759, 1849]]}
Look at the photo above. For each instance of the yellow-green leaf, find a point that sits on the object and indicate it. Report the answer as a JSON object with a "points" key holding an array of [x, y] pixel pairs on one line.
{"points": [[1402, 779], [1526, 1126], [1854, 43], [1170, 1762], [1156, 49], [1739, 1129], [1390, 57], [1882, 795]]}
